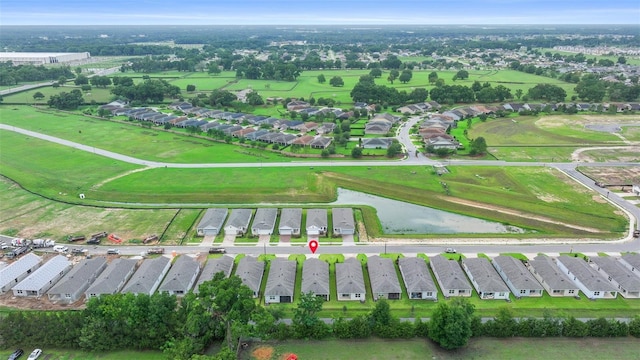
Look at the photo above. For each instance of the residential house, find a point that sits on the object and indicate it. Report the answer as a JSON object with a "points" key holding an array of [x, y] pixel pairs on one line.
{"points": [[255, 135], [485, 279], [442, 142], [320, 142], [250, 271], [281, 281], [315, 278], [297, 105], [222, 264], [72, 286], [326, 128], [386, 117], [242, 133], [554, 280], [377, 143], [343, 223], [148, 276], [316, 224], [290, 220], [632, 262], [264, 221], [181, 277], [627, 283], [417, 278], [18, 271], [211, 222], [350, 280], [238, 222], [378, 127], [42, 279], [383, 278], [303, 140], [515, 274], [450, 277], [592, 284], [113, 278]]}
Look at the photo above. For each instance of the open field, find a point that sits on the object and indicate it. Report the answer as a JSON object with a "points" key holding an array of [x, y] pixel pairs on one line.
{"points": [[478, 348], [27, 215], [473, 189], [130, 138], [99, 95], [613, 176]]}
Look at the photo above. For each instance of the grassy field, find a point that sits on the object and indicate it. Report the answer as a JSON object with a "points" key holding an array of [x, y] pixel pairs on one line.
{"points": [[478, 348], [99, 95], [27, 215], [130, 138]]}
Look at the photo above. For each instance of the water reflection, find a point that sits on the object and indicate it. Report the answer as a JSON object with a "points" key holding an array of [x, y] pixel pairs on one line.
{"points": [[399, 217]]}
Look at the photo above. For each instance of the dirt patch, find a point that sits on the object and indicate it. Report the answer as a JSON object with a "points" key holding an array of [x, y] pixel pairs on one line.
{"points": [[598, 199], [604, 154], [583, 120], [263, 353], [614, 176]]}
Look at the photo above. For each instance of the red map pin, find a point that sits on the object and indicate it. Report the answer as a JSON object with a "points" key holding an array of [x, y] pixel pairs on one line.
{"points": [[313, 245]]}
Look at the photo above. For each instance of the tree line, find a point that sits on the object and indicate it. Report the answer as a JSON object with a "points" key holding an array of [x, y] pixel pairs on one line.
{"points": [[224, 310], [12, 75]]}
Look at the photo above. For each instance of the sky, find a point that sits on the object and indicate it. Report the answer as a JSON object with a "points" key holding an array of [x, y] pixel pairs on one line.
{"points": [[317, 12]]}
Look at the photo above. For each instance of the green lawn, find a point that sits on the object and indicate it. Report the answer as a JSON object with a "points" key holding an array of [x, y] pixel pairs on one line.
{"points": [[130, 138], [99, 95], [478, 348]]}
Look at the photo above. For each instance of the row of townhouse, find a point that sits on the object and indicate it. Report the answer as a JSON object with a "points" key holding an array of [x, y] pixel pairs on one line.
{"points": [[264, 222]]}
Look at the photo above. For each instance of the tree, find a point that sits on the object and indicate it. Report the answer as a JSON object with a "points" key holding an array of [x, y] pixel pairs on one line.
{"points": [[356, 153], [461, 75], [376, 72], [478, 146], [450, 325], [518, 93], [66, 101], [336, 81], [547, 92], [321, 79], [38, 96], [433, 77], [306, 322], [191, 88], [81, 80], [394, 149], [591, 89], [405, 76]]}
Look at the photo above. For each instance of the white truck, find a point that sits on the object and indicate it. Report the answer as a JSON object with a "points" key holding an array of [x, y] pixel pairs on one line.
{"points": [[20, 242], [41, 243]]}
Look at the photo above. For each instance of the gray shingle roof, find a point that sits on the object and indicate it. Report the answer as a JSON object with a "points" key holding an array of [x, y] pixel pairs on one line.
{"points": [[222, 264], [349, 277], [291, 217], [518, 274], [80, 277], [18, 268], [239, 218], [213, 218], [342, 218], [555, 278], [45, 273], [633, 260], [416, 275], [250, 271], [315, 277], [382, 274], [449, 273], [620, 273], [112, 279], [485, 275], [316, 217], [265, 219], [147, 275], [181, 276], [282, 278], [587, 275]]}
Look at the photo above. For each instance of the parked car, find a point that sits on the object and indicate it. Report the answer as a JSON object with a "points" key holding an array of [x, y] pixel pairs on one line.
{"points": [[636, 233], [450, 250], [60, 248], [79, 251], [216, 250], [35, 354], [16, 354], [113, 252]]}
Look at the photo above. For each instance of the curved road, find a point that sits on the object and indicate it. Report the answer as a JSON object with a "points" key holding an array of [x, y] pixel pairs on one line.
{"points": [[497, 246]]}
